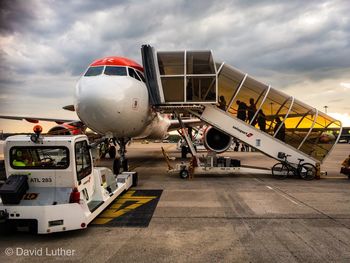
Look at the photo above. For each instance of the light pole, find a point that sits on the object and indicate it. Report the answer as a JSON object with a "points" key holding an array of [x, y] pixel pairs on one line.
{"points": [[325, 108], [271, 103]]}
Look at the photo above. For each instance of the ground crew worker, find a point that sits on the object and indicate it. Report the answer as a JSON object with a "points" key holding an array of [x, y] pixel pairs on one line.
{"points": [[19, 162], [22, 159], [346, 167]]}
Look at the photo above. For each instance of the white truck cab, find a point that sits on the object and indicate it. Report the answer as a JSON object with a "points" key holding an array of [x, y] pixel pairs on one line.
{"points": [[52, 185]]}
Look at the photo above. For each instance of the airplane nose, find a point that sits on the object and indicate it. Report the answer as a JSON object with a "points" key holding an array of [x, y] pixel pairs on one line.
{"points": [[105, 104], [98, 101]]}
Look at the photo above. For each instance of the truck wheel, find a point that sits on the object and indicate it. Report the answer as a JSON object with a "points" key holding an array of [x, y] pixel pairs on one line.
{"points": [[112, 152], [135, 179], [184, 174], [7, 228], [116, 166], [33, 227], [184, 152]]}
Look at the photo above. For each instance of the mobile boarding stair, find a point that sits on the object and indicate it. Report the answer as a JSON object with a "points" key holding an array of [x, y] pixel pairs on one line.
{"points": [[193, 82]]}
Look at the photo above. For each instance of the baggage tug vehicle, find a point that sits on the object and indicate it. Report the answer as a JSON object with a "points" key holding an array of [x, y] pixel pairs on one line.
{"points": [[52, 185]]}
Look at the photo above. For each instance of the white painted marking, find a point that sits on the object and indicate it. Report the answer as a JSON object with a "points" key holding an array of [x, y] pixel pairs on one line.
{"points": [[286, 197]]}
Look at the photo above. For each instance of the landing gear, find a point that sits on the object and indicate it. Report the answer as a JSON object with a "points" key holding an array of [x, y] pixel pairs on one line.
{"points": [[107, 147], [184, 151], [121, 164], [112, 152]]}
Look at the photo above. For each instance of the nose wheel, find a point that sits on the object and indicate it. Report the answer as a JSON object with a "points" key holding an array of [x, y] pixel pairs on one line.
{"points": [[121, 164]]}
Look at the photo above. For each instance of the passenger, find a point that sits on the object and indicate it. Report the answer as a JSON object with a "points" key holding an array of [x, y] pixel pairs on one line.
{"points": [[242, 110], [281, 135], [251, 111], [262, 121], [222, 103]]}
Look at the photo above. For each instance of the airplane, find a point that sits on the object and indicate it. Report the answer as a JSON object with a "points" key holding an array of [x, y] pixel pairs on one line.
{"points": [[111, 98]]}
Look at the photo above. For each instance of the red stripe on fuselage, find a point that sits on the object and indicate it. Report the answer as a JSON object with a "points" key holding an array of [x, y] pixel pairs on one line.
{"points": [[117, 61]]}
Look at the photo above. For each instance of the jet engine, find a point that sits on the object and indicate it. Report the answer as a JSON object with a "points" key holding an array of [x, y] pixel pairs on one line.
{"points": [[65, 129], [217, 141]]}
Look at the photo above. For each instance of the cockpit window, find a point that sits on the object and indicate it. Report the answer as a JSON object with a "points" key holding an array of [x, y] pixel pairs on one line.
{"points": [[94, 71], [133, 74], [115, 71], [141, 76]]}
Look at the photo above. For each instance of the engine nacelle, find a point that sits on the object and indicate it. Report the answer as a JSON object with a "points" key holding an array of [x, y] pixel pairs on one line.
{"points": [[216, 141], [65, 129]]}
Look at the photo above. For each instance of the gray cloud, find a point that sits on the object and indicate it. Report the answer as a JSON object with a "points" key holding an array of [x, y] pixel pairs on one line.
{"points": [[50, 43]]}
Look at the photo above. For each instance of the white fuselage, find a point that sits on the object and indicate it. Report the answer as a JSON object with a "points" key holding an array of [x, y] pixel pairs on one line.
{"points": [[118, 106]]}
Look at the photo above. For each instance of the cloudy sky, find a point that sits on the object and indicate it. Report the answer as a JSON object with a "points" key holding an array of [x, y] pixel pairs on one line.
{"points": [[301, 47]]}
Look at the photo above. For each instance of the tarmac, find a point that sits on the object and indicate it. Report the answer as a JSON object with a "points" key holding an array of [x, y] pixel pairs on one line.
{"points": [[238, 218]]}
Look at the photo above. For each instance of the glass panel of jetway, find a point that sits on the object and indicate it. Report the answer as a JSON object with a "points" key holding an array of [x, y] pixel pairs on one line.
{"points": [[188, 77], [280, 115], [297, 124], [229, 80], [322, 137], [248, 99], [273, 111]]}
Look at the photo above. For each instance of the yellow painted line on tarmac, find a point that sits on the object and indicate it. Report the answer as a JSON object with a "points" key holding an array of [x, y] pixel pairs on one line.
{"points": [[116, 210]]}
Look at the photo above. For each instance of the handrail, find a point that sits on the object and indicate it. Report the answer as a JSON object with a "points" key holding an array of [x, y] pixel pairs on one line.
{"points": [[285, 117], [257, 111], [279, 109], [307, 135], [237, 91]]}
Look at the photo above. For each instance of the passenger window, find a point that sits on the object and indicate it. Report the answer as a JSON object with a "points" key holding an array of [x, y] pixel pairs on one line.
{"points": [[94, 71], [83, 160], [133, 74], [115, 71], [141, 76]]}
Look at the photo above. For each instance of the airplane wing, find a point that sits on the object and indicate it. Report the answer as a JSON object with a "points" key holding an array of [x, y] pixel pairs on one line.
{"points": [[37, 119], [175, 125]]}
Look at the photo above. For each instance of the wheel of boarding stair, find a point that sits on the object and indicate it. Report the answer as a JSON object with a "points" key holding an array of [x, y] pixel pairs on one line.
{"points": [[280, 171], [184, 174], [308, 171]]}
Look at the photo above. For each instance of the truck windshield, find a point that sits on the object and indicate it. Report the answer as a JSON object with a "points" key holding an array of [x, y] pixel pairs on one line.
{"points": [[44, 157]]}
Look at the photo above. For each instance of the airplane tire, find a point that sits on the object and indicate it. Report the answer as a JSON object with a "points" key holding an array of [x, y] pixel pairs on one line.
{"points": [[125, 165], [184, 174], [116, 166], [135, 179], [112, 152]]}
